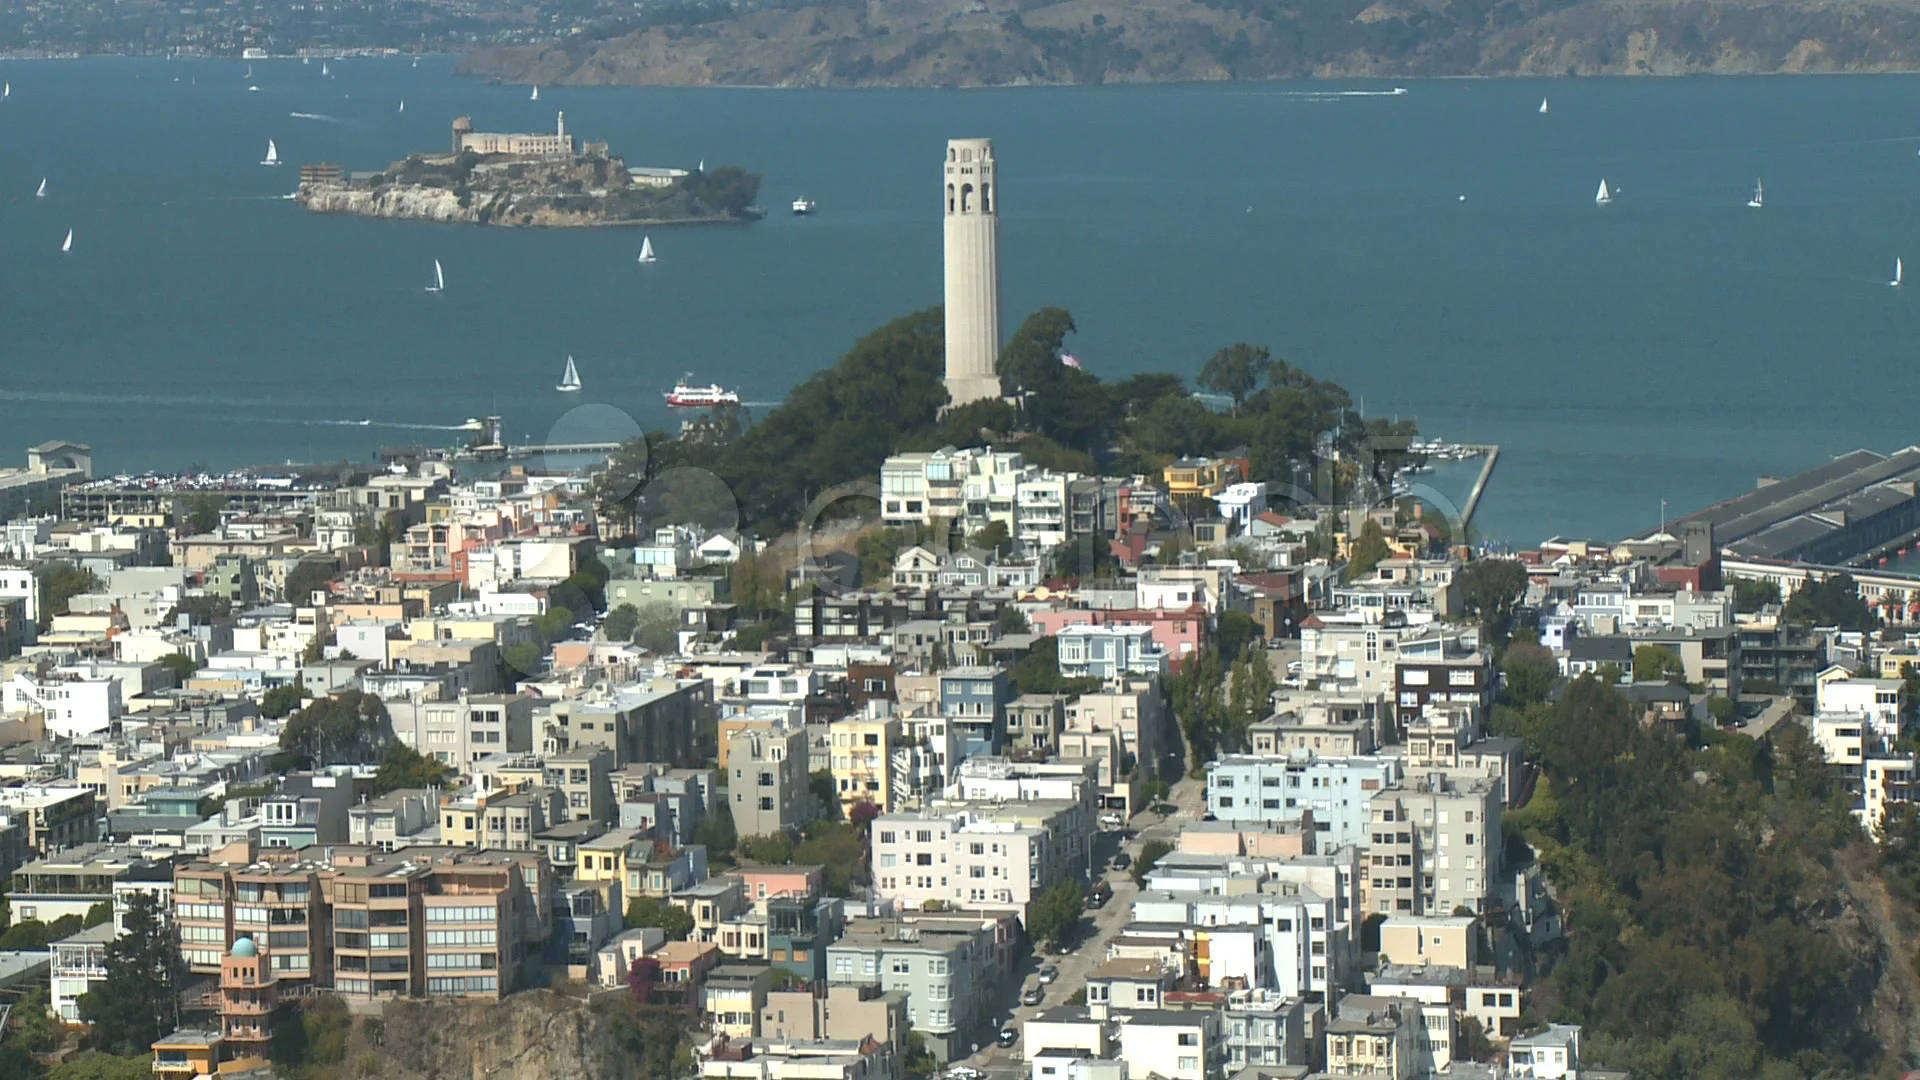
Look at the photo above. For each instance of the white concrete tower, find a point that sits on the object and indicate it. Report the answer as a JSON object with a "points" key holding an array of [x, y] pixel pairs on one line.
{"points": [[973, 271]]}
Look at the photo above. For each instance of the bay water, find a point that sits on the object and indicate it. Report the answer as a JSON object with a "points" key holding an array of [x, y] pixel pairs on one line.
{"points": [[1672, 345]]}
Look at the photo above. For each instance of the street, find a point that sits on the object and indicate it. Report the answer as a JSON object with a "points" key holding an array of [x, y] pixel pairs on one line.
{"points": [[1097, 929]]}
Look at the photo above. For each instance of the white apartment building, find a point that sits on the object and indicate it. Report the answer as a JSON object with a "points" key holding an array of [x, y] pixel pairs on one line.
{"points": [[21, 583], [79, 966], [1886, 782], [979, 859], [1881, 701], [74, 705]]}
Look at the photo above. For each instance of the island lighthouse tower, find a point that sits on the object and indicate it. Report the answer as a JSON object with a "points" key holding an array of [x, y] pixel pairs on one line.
{"points": [[973, 271]]}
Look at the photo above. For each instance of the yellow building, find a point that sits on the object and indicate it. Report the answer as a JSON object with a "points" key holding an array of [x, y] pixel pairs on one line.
{"points": [[1199, 477], [187, 1054], [862, 760], [605, 857]]}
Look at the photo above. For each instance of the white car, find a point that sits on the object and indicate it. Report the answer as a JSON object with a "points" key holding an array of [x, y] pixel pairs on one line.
{"points": [[1111, 821]]}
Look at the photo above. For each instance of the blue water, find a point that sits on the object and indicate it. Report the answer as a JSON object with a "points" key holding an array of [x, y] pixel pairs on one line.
{"points": [[1672, 345]]}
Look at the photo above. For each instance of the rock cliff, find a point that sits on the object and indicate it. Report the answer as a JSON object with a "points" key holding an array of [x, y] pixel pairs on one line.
{"points": [[536, 1035], [1016, 42]]}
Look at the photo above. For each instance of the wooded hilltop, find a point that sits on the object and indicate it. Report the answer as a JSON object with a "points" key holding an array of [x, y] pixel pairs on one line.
{"points": [[1007, 43]]}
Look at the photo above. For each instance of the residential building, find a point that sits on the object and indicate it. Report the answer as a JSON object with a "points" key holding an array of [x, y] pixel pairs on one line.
{"points": [[53, 816], [1177, 1044], [1271, 789], [79, 967], [974, 701], [1435, 846], [74, 880], [1546, 1055], [1110, 651], [827, 1059], [768, 786], [951, 969], [863, 758], [1881, 701], [1133, 707], [307, 808], [980, 856], [1450, 941], [1262, 1028], [843, 1011], [732, 997], [1373, 1037]]}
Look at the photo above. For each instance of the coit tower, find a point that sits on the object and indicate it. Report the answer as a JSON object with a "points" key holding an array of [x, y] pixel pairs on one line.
{"points": [[973, 271]]}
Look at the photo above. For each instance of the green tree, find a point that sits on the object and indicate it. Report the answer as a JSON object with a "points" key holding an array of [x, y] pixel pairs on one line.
{"points": [[200, 511], [1151, 852], [94, 1065], [658, 630], [1012, 620], [1235, 632], [1250, 698], [347, 727], [308, 576], [1038, 671], [1832, 601], [403, 767], [1653, 663], [826, 794], [1196, 693], [180, 665], [653, 911], [1750, 595], [621, 622], [716, 831], [59, 583], [1055, 912], [1368, 549], [1530, 671], [840, 848], [26, 935], [1491, 590], [992, 537], [1236, 371], [97, 914], [138, 1000], [281, 700], [1474, 1043]]}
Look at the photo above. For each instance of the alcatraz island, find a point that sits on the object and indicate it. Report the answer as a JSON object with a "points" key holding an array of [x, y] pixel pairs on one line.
{"points": [[530, 179]]}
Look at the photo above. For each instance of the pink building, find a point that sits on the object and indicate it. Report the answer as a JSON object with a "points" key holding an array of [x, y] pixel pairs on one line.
{"points": [[760, 882], [1181, 632]]}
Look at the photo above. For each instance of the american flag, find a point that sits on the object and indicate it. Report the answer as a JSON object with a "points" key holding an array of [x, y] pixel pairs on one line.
{"points": [[1070, 360]]}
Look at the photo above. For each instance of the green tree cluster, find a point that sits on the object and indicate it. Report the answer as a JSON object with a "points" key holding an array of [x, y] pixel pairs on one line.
{"points": [[1368, 549], [1750, 595], [281, 700], [653, 911], [1832, 601], [1491, 590], [1151, 852], [1655, 663], [139, 1000], [348, 727], [180, 665], [59, 583], [401, 766], [1055, 912], [1695, 883], [307, 577], [1038, 671], [200, 511]]}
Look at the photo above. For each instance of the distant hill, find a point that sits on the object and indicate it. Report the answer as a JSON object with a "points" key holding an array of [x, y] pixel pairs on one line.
{"points": [[1006, 42]]}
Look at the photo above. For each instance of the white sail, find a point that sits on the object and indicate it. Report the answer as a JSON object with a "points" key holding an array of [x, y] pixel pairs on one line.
{"points": [[273, 154], [6, 91], [439, 279], [403, 104], [1896, 273], [324, 73], [570, 380], [1758, 192], [646, 249], [67, 244], [1603, 197], [703, 166], [41, 192], [536, 94], [1543, 106]]}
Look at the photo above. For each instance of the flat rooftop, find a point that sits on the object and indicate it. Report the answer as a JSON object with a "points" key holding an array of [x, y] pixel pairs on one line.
{"points": [[1780, 517]]}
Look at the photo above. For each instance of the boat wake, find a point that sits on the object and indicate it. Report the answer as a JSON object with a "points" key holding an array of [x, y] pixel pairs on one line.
{"points": [[316, 116], [1327, 95], [400, 425]]}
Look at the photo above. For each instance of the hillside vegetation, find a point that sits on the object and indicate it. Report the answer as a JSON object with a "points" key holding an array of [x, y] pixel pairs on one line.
{"points": [[1010, 42]]}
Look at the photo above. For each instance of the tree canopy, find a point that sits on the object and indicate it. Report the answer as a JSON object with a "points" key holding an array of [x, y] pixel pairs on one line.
{"points": [[137, 1002], [348, 727], [1832, 601]]}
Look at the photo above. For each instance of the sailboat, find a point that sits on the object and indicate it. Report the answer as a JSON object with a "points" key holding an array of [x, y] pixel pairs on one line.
{"points": [[1757, 193], [6, 91], [646, 249], [273, 154], [403, 104], [67, 244], [249, 73], [1896, 272], [41, 191], [1603, 198], [439, 279], [324, 73], [1543, 106], [536, 94], [702, 168], [570, 381]]}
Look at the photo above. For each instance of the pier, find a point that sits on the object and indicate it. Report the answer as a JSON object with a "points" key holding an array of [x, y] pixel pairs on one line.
{"points": [[1492, 454]]}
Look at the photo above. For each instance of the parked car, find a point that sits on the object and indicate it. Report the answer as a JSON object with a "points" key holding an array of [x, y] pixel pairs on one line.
{"points": [[1008, 1036], [1048, 974], [1122, 861], [1033, 996], [1111, 820]]}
